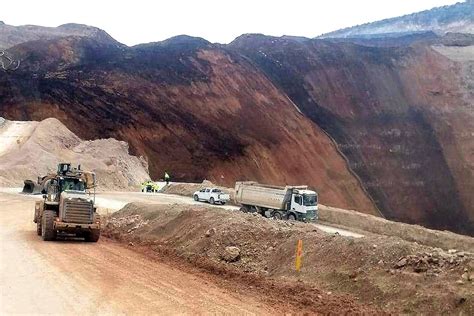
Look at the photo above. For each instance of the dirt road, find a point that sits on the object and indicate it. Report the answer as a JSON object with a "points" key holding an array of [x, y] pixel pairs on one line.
{"points": [[73, 277], [114, 201]]}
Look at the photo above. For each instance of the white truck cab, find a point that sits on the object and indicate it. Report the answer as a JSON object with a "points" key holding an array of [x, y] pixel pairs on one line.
{"points": [[304, 203]]}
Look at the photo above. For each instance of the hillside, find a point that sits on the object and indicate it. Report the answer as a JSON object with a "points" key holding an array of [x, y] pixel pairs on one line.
{"points": [[192, 108], [373, 125], [458, 18], [32, 149], [401, 115], [13, 35]]}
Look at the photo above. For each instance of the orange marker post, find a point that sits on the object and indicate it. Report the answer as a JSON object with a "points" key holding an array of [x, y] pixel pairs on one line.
{"points": [[299, 254]]}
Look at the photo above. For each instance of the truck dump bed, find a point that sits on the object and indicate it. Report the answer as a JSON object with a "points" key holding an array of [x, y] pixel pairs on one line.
{"points": [[268, 196]]}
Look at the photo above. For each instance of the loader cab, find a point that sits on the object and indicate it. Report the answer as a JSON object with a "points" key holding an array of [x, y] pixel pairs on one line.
{"points": [[305, 204], [72, 185]]}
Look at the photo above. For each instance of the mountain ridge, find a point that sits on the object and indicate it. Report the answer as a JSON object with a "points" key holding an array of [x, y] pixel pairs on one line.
{"points": [[452, 18], [14, 35]]}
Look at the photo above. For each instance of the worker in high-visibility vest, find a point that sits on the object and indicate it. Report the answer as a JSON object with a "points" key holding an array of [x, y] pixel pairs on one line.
{"points": [[167, 178]]}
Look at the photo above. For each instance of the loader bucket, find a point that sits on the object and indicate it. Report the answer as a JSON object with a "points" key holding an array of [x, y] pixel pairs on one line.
{"points": [[31, 188]]}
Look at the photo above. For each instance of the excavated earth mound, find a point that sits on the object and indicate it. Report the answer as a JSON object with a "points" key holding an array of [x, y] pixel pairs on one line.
{"points": [[339, 274], [32, 149]]}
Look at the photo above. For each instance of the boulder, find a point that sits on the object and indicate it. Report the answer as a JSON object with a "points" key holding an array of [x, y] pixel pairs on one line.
{"points": [[401, 263], [231, 254]]}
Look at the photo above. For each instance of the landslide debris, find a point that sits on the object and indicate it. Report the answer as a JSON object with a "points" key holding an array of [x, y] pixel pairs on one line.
{"points": [[32, 149], [192, 108], [377, 271], [405, 124]]}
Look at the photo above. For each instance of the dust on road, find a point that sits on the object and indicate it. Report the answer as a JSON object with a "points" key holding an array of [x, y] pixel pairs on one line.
{"points": [[72, 277]]}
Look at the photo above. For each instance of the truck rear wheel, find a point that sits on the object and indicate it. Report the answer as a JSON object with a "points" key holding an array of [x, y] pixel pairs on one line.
{"points": [[277, 215], [92, 236], [244, 209], [47, 226]]}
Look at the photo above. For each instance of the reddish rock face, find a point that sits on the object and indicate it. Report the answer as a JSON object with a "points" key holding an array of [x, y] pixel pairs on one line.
{"points": [[269, 109], [401, 115], [193, 109]]}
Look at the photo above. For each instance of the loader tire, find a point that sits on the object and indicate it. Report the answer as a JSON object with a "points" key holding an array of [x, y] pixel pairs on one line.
{"points": [[93, 236], [38, 228], [47, 225]]}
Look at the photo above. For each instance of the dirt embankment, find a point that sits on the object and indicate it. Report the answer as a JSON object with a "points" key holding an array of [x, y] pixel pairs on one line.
{"points": [[339, 274], [359, 221], [413, 233], [32, 149]]}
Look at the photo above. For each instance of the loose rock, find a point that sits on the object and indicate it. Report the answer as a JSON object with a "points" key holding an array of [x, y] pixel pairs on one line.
{"points": [[210, 232], [231, 254], [401, 263]]}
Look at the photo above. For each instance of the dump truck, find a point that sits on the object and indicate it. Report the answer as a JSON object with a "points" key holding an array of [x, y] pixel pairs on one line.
{"points": [[68, 205], [288, 202]]}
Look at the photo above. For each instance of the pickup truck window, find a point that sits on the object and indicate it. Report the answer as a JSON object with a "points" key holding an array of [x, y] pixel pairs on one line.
{"points": [[202, 190], [207, 190], [216, 191]]}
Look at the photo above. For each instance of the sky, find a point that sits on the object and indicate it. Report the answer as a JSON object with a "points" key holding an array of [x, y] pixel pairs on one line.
{"points": [[139, 21]]}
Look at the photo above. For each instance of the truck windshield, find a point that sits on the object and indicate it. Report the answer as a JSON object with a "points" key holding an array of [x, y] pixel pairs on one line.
{"points": [[72, 185], [310, 200]]}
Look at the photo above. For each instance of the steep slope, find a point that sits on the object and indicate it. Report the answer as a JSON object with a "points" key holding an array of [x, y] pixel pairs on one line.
{"points": [[32, 149], [454, 18], [402, 116], [188, 106], [13, 35]]}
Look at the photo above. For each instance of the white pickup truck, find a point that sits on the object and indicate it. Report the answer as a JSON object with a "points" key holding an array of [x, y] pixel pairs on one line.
{"points": [[211, 195]]}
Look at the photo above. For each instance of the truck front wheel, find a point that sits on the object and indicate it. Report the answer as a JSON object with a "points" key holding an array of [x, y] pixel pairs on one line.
{"points": [[212, 201], [292, 217], [47, 225], [93, 235], [196, 198]]}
